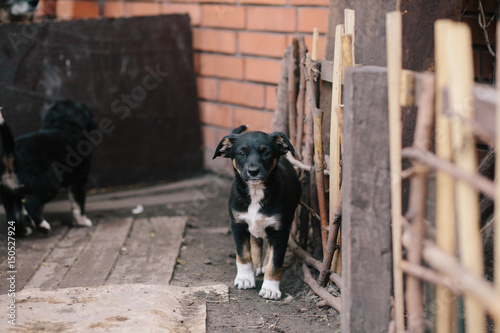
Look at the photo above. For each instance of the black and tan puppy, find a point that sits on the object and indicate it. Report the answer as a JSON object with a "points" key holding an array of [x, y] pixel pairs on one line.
{"points": [[35, 166], [262, 203]]}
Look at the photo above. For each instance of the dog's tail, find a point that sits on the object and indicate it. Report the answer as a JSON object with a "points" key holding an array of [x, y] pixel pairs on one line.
{"points": [[239, 130], [9, 177]]}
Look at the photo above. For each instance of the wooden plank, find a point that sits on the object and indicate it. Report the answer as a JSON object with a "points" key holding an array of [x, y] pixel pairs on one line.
{"points": [[366, 232], [445, 187], [126, 83], [96, 261], [418, 34], [394, 61], [150, 251], [349, 27], [458, 48], [64, 255], [335, 130], [132, 262], [169, 231], [30, 253]]}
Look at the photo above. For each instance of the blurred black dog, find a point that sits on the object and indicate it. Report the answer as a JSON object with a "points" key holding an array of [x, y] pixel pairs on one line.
{"points": [[36, 165], [17, 10]]}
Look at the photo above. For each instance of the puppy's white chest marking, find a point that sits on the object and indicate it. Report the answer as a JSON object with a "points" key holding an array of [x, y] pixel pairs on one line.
{"points": [[257, 222]]}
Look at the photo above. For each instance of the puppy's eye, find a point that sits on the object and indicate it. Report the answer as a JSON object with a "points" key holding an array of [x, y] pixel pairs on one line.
{"points": [[241, 153], [266, 153]]}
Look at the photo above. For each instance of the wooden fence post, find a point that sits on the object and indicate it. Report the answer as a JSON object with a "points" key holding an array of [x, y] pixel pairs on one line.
{"points": [[366, 207]]}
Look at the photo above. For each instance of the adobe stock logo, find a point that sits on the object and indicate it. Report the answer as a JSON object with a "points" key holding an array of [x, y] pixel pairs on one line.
{"points": [[122, 106]]}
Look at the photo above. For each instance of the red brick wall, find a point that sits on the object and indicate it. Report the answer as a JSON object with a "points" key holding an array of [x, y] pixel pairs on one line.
{"points": [[238, 47]]}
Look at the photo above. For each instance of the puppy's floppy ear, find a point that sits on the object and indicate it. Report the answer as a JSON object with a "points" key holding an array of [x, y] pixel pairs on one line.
{"points": [[283, 143], [224, 147]]}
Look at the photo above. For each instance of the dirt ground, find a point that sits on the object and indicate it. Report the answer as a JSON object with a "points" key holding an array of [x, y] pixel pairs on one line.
{"points": [[207, 256]]}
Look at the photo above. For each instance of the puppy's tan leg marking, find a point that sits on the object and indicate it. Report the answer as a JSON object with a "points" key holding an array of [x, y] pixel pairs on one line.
{"points": [[256, 251], [267, 257], [271, 286], [245, 278]]}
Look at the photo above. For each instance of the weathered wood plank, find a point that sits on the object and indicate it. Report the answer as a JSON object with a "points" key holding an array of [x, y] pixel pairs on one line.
{"points": [[132, 263], [366, 232], [97, 259], [64, 255], [130, 67], [30, 253], [163, 255], [151, 251]]}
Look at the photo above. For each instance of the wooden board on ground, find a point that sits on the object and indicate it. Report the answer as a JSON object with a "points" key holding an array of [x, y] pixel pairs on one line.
{"points": [[64, 255], [30, 254], [115, 251], [96, 261], [366, 229], [150, 252], [113, 308]]}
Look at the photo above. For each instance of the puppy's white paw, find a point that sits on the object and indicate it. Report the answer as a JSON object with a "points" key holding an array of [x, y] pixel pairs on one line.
{"points": [[245, 278], [44, 226], [270, 290], [83, 221], [259, 271], [29, 231]]}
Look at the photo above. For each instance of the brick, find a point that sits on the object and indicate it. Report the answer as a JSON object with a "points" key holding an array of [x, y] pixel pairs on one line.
{"points": [[263, 2], [209, 137], [141, 9], [212, 136], [310, 18], [218, 65], [223, 16], [242, 93], [262, 70], [271, 97], [214, 40], [207, 88], [325, 3], [262, 43], [113, 9], [215, 114], [211, 1], [193, 10], [271, 19], [255, 119], [77, 9]]}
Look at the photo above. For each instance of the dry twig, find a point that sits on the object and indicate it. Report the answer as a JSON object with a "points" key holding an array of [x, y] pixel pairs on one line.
{"points": [[328, 299]]}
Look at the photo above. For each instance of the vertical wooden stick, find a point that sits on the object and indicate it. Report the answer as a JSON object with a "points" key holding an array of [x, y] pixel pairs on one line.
{"points": [[301, 99], [335, 130], [458, 46], [314, 49], [497, 186], [292, 91], [417, 200], [446, 309], [349, 23], [334, 125], [394, 63]]}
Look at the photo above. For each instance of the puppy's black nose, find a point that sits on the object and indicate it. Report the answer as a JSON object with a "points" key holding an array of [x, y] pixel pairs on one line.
{"points": [[253, 172]]}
